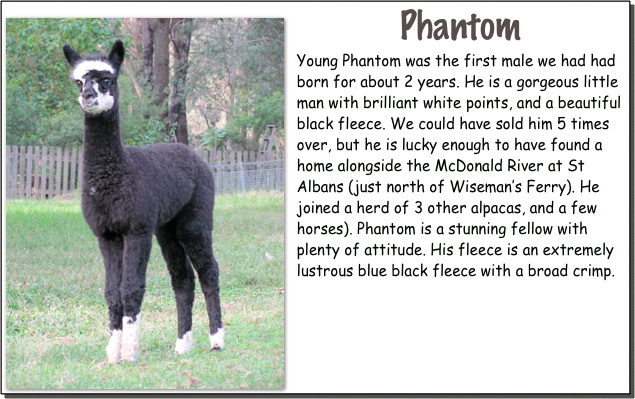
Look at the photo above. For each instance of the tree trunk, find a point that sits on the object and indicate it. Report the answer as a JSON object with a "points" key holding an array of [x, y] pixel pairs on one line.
{"points": [[161, 77], [181, 35], [147, 35]]}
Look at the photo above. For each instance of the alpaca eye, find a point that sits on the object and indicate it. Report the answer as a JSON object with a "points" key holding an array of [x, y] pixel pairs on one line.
{"points": [[106, 82], [79, 83]]}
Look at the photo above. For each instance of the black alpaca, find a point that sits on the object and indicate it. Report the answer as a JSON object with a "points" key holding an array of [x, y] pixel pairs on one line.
{"points": [[130, 193]]}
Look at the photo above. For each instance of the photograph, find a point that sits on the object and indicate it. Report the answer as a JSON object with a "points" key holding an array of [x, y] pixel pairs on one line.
{"points": [[144, 178]]}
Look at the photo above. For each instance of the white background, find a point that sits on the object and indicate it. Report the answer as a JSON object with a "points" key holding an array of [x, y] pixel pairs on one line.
{"points": [[453, 335], [459, 335]]}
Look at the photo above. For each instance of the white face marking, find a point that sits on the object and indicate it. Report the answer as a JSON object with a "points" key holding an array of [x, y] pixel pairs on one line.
{"points": [[183, 345], [218, 340], [103, 101], [86, 66], [130, 339], [114, 346]]}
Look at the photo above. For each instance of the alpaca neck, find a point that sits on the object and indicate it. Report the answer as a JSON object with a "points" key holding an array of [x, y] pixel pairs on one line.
{"points": [[102, 142]]}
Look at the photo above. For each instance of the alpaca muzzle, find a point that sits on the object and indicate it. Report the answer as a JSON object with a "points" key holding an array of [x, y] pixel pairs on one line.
{"points": [[88, 99], [88, 104], [88, 94]]}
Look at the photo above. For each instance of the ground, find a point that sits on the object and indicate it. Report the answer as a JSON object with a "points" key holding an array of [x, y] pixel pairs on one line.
{"points": [[57, 320]]}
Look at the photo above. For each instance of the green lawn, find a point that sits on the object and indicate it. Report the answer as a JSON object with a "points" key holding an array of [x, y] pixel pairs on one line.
{"points": [[57, 320]]}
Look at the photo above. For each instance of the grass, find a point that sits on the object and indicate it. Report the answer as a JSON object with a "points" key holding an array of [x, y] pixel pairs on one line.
{"points": [[57, 320]]}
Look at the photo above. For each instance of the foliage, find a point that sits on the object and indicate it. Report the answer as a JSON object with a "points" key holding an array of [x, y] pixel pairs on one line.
{"points": [[254, 114], [35, 60], [21, 117], [234, 85], [65, 129], [42, 98], [213, 138], [264, 59], [236, 75], [153, 132], [140, 119]]}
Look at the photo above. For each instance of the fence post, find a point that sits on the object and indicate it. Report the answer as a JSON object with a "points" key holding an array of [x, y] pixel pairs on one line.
{"points": [[279, 173], [242, 175], [36, 170], [73, 168], [7, 172], [205, 154], [234, 160], [80, 167], [43, 174], [58, 172], [51, 179], [252, 168], [65, 168], [219, 170], [29, 171], [21, 175], [14, 182], [225, 169]]}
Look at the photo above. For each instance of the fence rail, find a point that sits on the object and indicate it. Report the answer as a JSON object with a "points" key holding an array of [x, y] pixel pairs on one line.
{"points": [[47, 172], [251, 176]]}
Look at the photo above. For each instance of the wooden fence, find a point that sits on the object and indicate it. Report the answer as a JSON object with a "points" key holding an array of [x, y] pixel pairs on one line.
{"points": [[263, 169], [47, 172]]}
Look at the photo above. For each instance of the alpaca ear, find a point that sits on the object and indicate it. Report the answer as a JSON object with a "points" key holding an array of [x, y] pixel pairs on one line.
{"points": [[115, 58], [71, 56]]}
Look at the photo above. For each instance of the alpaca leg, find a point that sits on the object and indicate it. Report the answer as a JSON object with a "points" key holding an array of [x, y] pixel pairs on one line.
{"points": [[112, 251], [182, 277], [199, 250], [135, 262]]}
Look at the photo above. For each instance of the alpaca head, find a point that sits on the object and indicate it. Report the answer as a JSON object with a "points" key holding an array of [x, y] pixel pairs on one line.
{"points": [[96, 78]]}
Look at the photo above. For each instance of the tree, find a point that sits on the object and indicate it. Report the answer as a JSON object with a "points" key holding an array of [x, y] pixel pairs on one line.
{"points": [[39, 91], [181, 35], [42, 99], [34, 55], [147, 27], [236, 73], [222, 79], [161, 68]]}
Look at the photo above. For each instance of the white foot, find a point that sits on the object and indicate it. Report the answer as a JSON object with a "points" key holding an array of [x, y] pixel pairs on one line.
{"points": [[114, 346], [130, 340], [218, 340], [183, 345]]}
